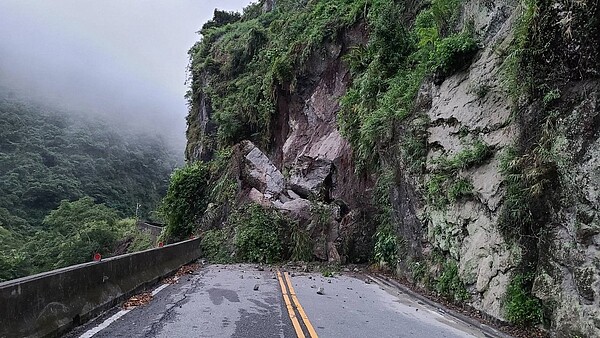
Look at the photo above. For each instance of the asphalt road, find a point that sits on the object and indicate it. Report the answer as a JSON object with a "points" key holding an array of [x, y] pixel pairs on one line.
{"points": [[221, 301]]}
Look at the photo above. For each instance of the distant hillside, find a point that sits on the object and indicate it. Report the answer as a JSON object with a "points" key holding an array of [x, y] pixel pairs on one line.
{"points": [[48, 156]]}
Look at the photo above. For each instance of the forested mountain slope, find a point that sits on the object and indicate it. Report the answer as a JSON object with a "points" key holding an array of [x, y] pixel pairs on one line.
{"points": [[47, 156], [453, 142]]}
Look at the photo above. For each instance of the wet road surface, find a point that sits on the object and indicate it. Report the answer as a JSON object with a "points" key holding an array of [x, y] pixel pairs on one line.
{"points": [[240, 301]]}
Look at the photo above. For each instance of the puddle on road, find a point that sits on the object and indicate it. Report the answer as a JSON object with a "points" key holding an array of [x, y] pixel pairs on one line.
{"points": [[216, 296]]}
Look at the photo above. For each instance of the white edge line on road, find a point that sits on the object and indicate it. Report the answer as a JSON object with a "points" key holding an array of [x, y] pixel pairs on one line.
{"points": [[90, 333], [104, 325], [159, 289]]}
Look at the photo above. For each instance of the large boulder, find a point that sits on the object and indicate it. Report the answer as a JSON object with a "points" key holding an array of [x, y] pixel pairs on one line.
{"points": [[259, 172], [309, 176], [299, 208]]}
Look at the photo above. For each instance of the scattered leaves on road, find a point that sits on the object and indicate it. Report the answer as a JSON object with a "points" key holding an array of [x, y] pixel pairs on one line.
{"points": [[146, 297], [138, 300], [187, 269], [170, 280]]}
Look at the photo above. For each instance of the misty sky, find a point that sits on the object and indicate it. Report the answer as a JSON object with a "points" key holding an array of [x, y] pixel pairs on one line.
{"points": [[126, 58]]}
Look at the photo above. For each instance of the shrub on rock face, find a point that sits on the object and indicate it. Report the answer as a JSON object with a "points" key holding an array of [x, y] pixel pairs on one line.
{"points": [[450, 285], [186, 200], [522, 308], [216, 246], [453, 53], [301, 244], [257, 234]]}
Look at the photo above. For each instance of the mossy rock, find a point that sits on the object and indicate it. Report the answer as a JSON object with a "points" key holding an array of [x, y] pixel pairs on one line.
{"points": [[584, 278]]}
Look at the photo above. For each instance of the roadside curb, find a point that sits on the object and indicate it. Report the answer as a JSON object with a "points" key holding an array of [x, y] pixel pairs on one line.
{"points": [[486, 329]]}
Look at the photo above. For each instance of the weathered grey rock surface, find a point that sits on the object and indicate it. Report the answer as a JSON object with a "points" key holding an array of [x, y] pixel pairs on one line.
{"points": [[468, 107]]}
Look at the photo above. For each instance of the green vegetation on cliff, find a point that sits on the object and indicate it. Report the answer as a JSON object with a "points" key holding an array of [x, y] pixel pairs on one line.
{"points": [[186, 199], [243, 63], [543, 65], [248, 58], [388, 72]]}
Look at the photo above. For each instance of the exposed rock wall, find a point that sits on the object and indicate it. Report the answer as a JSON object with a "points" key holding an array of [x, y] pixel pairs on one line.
{"points": [[316, 159], [474, 105], [569, 276], [468, 107]]}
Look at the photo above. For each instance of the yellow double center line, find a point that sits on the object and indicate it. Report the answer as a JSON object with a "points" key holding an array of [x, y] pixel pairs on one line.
{"points": [[286, 298]]}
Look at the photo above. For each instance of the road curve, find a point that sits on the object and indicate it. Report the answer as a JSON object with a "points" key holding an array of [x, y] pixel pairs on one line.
{"points": [[240, 301]]}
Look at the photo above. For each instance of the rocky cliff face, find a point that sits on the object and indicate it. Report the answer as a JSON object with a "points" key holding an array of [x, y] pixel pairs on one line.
{"points": [[472, 109], [488, 165]]}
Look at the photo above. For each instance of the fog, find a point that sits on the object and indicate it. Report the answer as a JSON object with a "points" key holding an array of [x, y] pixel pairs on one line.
{"points": [[122, 59]]}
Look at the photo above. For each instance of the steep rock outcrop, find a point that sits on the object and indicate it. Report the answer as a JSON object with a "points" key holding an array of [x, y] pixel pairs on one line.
{"points": [[468, 107], [569, 276]]}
